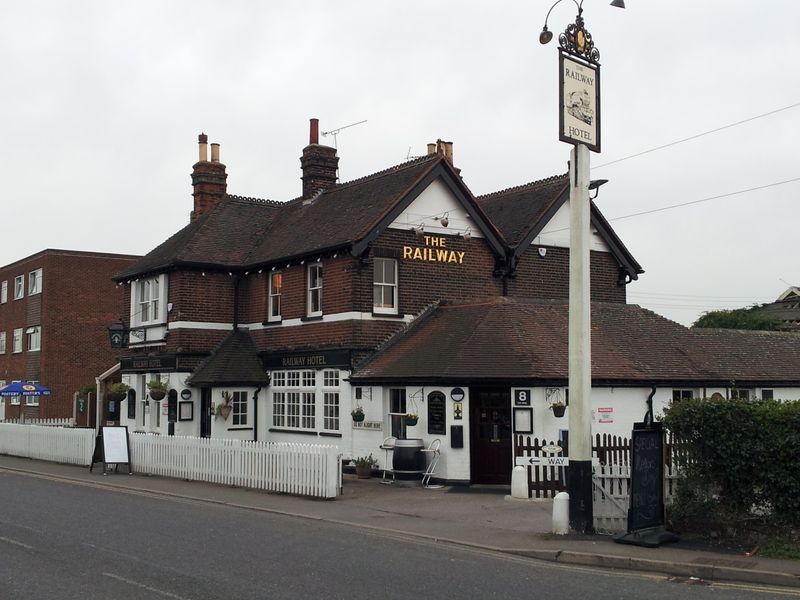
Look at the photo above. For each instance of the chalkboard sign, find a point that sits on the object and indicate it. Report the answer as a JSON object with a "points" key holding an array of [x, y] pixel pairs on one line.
{"points": [[437, 419], [647, 477]]}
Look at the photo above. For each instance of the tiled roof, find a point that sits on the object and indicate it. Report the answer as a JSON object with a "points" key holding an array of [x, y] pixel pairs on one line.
{"points": [[234, 361], [525, 340], [515, 210], [752, 356], [241, 232]]}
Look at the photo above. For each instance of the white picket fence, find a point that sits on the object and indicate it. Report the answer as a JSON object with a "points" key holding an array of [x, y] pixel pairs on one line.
{"points": [[56, 444], [611, 488], [70, 422], [301, 469]]}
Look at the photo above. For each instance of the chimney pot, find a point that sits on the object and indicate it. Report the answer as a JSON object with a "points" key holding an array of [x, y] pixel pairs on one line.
{"points": [[202, 140], [448, 151], [215, 153], [431, 148], [313, 137]]}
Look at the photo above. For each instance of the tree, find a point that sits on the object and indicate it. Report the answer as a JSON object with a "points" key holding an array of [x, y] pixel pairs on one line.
{"points": [[738, 318]]}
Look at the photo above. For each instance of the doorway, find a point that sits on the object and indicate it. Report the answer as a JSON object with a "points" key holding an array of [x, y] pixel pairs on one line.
{"points": [[205, 412], [491, 443]]}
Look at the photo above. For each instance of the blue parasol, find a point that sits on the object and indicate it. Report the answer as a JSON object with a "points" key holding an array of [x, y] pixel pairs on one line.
{"points": [[24, 389]]}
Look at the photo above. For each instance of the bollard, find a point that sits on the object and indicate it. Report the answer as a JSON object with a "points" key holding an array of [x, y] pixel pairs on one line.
{"points": [[519, 483], [561, 513]]}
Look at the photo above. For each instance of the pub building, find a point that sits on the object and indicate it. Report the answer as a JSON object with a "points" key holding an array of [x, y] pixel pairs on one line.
{"points": [[399, 293]]}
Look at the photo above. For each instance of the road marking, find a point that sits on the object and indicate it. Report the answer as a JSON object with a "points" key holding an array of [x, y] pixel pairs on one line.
{"points": [[16, 543], [145, 587], [754, 587]]}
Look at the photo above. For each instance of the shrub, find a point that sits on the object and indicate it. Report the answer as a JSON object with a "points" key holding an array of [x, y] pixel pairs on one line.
{"points": [[739, 459]]}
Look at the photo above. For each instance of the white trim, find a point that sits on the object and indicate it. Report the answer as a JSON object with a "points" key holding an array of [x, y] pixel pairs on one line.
{"points": [[199, 325], [329, 318]]}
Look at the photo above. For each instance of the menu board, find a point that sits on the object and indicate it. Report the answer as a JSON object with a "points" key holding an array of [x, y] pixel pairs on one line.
{"points": [[437, 419], [647, 477], [115, 445]]}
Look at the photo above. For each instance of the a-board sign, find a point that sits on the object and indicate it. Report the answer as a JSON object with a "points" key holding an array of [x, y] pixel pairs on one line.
{"points": [[111, 447], [647, 477], [115, 445]]}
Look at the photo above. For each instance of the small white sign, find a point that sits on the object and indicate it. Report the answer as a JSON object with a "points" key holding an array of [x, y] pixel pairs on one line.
{"points": [[544, 461]]}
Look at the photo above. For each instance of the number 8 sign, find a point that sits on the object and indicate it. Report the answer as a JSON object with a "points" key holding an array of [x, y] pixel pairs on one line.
{"points": [[522, 397]]}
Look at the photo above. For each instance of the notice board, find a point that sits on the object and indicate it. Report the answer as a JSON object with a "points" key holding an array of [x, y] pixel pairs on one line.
{"points": [[647, 477], [111, 447]]}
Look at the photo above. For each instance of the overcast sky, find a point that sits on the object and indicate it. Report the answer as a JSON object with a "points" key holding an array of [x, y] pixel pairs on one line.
{"points": [[102, 103]]}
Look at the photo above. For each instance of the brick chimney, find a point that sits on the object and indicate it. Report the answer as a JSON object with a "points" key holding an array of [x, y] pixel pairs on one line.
{"points": [[208, 179], [319, 164]]}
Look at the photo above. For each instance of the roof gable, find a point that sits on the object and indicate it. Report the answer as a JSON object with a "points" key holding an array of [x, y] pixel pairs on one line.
{"points": [[233, 362]]}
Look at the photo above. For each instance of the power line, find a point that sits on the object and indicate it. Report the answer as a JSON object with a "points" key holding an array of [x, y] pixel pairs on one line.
{"points": [[663, 208], [666, 294], [694, 137]]}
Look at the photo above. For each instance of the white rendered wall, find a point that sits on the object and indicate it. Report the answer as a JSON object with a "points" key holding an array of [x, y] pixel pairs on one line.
{"points": [[435, 201], [556, 232]]}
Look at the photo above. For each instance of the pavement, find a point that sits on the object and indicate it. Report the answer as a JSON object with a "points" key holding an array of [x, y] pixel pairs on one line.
{"points": [[475, 516]]}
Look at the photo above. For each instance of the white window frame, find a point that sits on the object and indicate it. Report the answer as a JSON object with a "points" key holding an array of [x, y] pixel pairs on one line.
{"points": [[314, 290], [19, 287], [240, 405], [767, 394], [35, 282], [274, 296], [34, 336], [301, 396], [32, 400], [15, 399], [16, 341], [741, 394], [4, 292], [2, 342], [682, 394], [152, 309], [379, 284]]}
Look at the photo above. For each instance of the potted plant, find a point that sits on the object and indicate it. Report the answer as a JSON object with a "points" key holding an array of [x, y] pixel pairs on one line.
{"points": [[558, 407], [226, 406], [117, 391], [158, 389], [411, 418], [364, 466], [358, 414]]}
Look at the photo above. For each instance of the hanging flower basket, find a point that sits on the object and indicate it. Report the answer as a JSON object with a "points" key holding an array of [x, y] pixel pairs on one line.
{"points": [[558, 409], [223, 410], [411, 419], [157, 394], [357, 414]]}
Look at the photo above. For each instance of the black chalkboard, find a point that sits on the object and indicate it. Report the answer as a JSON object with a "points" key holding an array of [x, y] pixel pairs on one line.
{"points": [[647, 477], [437, 420]]}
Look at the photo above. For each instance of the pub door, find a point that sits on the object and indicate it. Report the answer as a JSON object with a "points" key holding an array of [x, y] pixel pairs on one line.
{"points": [[491, 443], [205, 412]]}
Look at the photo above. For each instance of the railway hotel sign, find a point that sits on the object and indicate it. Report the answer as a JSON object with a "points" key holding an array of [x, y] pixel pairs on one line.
{"points": [[579, 87]]}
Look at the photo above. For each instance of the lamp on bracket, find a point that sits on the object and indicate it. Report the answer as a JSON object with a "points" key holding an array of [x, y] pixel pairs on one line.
{"points": [[546, 35]]}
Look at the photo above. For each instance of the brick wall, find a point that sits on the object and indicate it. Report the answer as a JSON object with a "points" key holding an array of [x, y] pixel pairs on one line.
{"points": [[77, 304]]}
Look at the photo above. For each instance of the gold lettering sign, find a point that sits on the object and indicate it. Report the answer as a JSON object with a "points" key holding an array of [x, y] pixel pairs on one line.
{"points": [[303, 361], [435, 250]]}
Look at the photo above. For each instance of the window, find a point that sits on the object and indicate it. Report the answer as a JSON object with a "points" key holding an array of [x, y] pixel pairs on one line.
{"points": [[739, 394], [678, 395], [397, 406], [4, 292], [384, 286], [32, 400], [765, 394], [314, 307], [275, 288], [15, 399], [2, 342], [19, 287], [240, 408], [35, 282], [34, 338], [147, 297], [16, 341], [298, 397], [330, 419], [131, 399]]}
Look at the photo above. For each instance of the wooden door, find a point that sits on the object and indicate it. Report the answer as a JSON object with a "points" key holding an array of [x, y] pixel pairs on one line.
{"points": [[490, 418]]}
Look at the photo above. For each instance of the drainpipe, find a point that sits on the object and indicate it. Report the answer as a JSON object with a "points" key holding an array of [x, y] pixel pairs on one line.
{"points": [[98, 394], [255, 414], [648, 416]]}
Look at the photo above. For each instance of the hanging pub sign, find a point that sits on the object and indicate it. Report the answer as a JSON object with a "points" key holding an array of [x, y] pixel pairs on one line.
{"points": [[579, 87]]}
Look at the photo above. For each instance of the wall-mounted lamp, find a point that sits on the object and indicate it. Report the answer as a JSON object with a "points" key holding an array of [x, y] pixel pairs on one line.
{"points": [[546, 35], [443, 219], [466, 234], [595, 184]]}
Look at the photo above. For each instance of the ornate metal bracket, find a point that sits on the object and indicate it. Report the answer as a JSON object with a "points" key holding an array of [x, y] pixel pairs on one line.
{"points": [[578, 41]]}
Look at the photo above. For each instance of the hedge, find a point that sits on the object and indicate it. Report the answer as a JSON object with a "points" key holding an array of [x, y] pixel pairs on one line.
{"points": [[741, 456]]}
